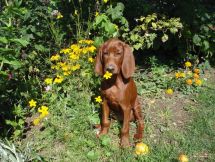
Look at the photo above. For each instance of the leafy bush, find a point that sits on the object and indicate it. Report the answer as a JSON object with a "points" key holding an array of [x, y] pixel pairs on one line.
{"points": [[110, 24], [26, 41], [152, 31]]}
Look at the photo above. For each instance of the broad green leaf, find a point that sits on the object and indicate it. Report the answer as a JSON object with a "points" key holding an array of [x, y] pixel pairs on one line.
{"points": [[23, 42], [206, 45], [164, 38], [98, 41], [92, 155], [105, 140], [196, 40], [134, 37], [173, 30], [154, 25], [11, 61], [40, 48], [137, 46], [3, 40], [110, 28]]}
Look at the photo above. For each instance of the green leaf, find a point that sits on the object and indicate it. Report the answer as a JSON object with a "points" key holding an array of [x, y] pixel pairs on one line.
{"points": [[99, 19], [98, 41], [117, 12], [134, 37], [40, 48], [3, 40], [173, 30], [137, 46], [164, 38], [196, 40], [23, 42], [110, 28], [17, 133], [154, 25], [206, 45], [92, 155], [11, 61], [105, 140]]}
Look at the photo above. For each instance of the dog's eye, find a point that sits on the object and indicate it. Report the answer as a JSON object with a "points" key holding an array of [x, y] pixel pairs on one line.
{"points": [[118, 54], [105, 53]]}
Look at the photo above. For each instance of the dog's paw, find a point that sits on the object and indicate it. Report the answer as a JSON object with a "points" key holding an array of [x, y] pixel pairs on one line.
{"points": [[125, 143]]}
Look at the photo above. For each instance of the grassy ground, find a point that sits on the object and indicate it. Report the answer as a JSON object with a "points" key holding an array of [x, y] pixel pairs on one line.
{"points": [[173, 125]]}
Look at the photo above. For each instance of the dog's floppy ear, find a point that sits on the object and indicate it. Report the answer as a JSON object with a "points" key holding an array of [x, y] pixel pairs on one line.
{"points": [[128, 63], [99, 64]]}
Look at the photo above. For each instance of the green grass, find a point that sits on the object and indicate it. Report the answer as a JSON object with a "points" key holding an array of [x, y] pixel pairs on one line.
{"points": [[169, 130]]}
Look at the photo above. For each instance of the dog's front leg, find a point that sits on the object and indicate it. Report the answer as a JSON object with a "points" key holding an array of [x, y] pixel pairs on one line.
{"points": [[105, 122], [125, 127]]}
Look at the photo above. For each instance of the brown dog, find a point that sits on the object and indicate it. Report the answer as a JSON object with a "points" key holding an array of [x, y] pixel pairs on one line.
{"points": [[119, 93]]}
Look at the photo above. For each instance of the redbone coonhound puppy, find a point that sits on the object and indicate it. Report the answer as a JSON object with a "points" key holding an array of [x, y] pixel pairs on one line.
{"points": [[119, 93]]}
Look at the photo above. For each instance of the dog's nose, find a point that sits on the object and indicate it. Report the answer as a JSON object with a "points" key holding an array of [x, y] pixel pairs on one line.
{"points": [[110, 68]]}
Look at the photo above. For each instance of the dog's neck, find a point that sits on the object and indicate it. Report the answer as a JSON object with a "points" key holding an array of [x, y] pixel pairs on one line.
{"points": [[116, 79]]}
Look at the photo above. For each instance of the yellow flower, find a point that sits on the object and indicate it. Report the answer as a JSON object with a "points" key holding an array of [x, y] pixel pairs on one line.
{"points": [[65, 68], [198, 82], [169, 91], [32, 103], [44, 111], [85, 50], [55, 57], [61, 64], [54, 67], [76, 67], [141, 149], [65, 51], [91, 49], [74, 47], [177, 75], [36, 121], [43, 114], [89, 42], [66, 73], [105, 1], [73, 56], [182, 75], [90, 59], [197, 71], [183, 158], [48, 81], [76, 12], [189, 81], [196, 76], [188, 64], [58, 79], [98, 99], [107, 75], [96, 14], [59, 15]]}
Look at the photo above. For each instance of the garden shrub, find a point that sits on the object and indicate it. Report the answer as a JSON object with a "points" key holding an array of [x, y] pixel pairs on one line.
{"points": [[152, 31], [197, 17], [26, 41]]}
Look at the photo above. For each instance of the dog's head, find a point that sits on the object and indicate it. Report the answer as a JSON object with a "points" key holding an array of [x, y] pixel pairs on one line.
{"points": [[116, 57]]}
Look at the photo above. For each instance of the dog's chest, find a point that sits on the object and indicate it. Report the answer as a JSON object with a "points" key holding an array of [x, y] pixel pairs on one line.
{"points": [[113, 95]]}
